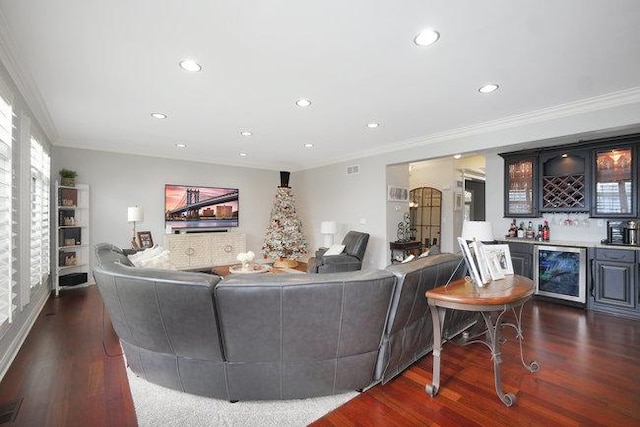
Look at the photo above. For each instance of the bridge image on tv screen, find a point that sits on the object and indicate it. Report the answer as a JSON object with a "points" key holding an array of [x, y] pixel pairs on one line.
{"points": [[187, 206]]}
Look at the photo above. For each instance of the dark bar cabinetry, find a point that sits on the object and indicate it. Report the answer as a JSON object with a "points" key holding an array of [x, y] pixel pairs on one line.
{"points": [[599, 177], [615, 282]]}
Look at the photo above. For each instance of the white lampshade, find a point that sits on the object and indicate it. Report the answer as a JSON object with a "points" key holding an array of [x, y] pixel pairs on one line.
{"points": [[481, 231], [328, 227], [135, 214]]}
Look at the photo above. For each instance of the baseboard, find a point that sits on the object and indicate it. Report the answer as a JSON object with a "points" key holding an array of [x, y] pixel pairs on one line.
{"points": [[14, 347]]}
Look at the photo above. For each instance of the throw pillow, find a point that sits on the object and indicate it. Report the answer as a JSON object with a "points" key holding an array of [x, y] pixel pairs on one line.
{"points": [[409, 258], [137, 257], [160, 261], [334, 250], [155, 257], [424, 254]]}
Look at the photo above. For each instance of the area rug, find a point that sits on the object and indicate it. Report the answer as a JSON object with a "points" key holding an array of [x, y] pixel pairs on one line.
{"points": [[159, 406]]}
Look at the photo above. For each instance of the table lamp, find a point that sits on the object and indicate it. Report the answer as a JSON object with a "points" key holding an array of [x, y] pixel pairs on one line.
{"points": [[329, 229], [479, 231], [135, 214]]}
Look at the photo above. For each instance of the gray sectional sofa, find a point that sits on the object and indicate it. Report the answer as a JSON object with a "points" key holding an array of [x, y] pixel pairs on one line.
{"points": [[272, 336]]}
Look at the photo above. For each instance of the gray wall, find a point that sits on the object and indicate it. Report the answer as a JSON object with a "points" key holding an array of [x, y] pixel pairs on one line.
{"points": [[118, 181]]}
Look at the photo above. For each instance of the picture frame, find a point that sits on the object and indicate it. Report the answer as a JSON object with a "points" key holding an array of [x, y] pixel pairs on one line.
{"points": [[457, 202], [502, 255], [397, 194], [145, 240], [493, 263], [483, 262], [471, 263]]}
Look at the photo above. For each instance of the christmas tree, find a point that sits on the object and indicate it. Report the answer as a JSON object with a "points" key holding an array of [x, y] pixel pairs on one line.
{"points": [[284, 240]]}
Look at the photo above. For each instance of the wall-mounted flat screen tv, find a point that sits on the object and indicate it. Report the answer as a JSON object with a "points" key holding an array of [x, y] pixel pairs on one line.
{"points": [[189, 206]]}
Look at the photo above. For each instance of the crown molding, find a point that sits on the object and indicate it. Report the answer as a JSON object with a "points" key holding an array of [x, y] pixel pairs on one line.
{"points": [[583, 106], [25, 83]]}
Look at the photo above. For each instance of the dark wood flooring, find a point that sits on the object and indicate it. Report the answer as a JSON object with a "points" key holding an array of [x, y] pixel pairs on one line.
{"points": [[69, 372]]}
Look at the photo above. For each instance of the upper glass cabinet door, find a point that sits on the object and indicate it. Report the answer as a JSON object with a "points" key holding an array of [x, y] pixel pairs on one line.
{"points": [[520, 192], [614, 182]]}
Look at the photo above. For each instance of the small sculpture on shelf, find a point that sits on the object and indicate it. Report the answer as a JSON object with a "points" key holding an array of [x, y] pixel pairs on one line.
{"points": [[70, 260]]}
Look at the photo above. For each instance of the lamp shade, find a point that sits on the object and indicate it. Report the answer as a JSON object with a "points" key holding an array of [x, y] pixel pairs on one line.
{"points": [[481, 231], [135, 214], [328, 227]]}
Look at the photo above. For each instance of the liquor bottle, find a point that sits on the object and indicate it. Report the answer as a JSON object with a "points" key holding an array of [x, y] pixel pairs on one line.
{"points": [[513, 230], [539, 236], [521, 230], [545, 231], [530, 234]]}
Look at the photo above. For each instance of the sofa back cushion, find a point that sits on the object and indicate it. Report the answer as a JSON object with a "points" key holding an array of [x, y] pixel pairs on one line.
{"points": [[355, 244], [303, 317], [291, 336], [409, 334], [162, 311]]}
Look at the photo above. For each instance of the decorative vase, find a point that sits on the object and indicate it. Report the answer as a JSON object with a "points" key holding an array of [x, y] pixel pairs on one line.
{"points": [[246, 266]]}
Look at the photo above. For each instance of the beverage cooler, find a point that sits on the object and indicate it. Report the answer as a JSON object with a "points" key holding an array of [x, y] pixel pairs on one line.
{"points": [[560, 272]]}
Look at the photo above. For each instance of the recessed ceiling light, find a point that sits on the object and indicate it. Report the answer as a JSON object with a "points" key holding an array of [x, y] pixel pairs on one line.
{"points": [[242, 154], [181, 145], [303, 102], [190, 65], [426, 37], [373, 125], [246, 133], [488, 88], [308, 145], [457, 156], [159, 115]]}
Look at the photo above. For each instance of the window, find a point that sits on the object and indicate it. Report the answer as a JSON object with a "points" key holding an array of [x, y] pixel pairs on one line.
{"points": [[6, 246], [40, 177]]}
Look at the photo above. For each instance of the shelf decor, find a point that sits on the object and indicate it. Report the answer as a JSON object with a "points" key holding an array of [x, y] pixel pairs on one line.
{"points": [[72, 241], [68, 178]]}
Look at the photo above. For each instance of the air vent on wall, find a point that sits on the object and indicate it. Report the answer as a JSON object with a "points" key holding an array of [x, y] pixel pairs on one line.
{"points": [[353, 169]]}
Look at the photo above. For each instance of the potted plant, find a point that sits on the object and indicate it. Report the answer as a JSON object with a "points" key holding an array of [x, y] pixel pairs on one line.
{"points": [[68, 178]]}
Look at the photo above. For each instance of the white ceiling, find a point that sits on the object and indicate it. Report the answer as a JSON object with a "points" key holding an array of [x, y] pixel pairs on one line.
{"points": [[94, 70]]}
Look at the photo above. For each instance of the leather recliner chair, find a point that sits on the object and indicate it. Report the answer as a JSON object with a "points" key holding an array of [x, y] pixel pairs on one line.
{"points": [[349, 260]]}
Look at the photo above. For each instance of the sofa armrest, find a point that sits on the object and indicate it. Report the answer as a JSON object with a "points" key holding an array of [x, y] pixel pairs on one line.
{"points": [[339, 263], [320, 252]]}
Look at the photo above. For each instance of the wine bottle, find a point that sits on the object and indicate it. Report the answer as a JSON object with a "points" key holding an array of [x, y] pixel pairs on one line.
{"points": [[545, 231]]}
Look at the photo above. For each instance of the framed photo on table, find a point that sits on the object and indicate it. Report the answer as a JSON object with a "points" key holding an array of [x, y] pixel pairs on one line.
{"points": [[502, 255], [483, 262], [472, 265], [144, 239]]}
